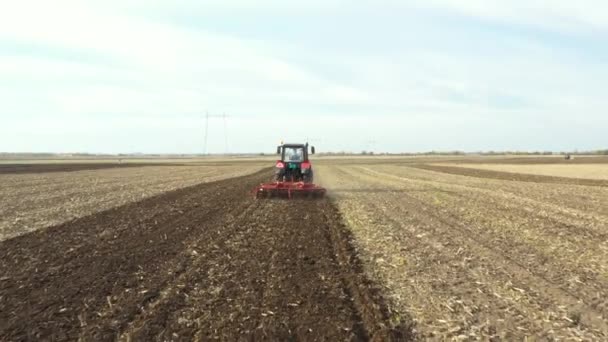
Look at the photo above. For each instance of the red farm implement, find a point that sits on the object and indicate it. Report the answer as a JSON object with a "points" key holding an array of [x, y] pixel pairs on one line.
{"points": [[289, 190]]}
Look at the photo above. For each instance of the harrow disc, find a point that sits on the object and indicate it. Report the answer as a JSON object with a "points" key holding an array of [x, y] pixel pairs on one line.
{"points": [[289, 190]]}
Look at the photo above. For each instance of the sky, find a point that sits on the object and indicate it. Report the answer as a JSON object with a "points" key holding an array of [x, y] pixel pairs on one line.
{"points": [[126, 76]]}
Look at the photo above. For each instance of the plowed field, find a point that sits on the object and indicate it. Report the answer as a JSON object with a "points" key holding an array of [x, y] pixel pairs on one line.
{"points": [[49, 194], [478, 254], [403, 247], [203, 262]]}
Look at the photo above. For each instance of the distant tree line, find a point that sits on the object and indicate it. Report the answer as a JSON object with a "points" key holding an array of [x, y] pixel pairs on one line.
{"points": [[462, 153], [339, 153]]}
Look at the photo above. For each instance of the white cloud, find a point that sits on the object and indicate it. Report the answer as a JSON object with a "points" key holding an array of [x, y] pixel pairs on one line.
{"points": [[158, 75], [166, 65], [563, 15]]}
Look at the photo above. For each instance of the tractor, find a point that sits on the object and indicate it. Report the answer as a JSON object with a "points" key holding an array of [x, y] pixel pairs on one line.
{"points": [[294, 165], [293, 175]]}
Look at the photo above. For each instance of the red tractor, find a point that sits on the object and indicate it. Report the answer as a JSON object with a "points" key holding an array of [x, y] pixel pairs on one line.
{"points": [[294, 165], [293, 174]]}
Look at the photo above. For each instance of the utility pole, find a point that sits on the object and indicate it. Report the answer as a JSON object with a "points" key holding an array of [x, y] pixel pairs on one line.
{"points": [[224, 117], [225, 135], [206, 132]]}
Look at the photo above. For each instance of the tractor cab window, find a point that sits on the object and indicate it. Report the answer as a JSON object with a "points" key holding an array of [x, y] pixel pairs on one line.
{"points": [[294, 154]]}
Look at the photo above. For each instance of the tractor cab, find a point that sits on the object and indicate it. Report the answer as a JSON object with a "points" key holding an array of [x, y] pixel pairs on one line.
{"points": [[296, 153], [294, 164]]}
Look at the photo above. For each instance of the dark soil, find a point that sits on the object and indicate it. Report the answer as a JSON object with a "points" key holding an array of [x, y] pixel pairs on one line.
{"points": [[69, 167], [204, 262]]}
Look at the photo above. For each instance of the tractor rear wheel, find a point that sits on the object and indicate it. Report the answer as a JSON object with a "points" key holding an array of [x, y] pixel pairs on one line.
{"points": [[308, 177]]}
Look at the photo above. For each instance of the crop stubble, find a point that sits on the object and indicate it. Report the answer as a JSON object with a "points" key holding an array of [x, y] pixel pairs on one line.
{"points": [[474, 257], [203, 262], [37, 198]]}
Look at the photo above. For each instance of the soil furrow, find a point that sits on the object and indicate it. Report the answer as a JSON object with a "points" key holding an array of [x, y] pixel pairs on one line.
{"points": [[207, 261], [70, 167], [524, 255], [551, 233], [187, 273], [454, 259]]}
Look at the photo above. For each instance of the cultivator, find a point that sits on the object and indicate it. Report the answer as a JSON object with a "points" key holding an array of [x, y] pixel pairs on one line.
{"points": [[289, 190], [293, 175]]}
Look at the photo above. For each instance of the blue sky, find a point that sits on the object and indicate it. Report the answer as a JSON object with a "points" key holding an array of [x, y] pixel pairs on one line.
{"points": [[398, 76]]}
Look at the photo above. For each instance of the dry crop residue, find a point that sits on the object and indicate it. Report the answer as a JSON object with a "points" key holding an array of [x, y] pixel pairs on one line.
{"points": [[497, 171], [204, 262], [474, 257], [32, 201], [571, 171]]}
